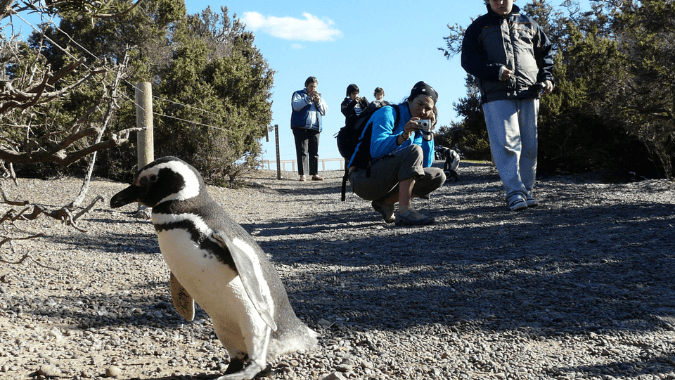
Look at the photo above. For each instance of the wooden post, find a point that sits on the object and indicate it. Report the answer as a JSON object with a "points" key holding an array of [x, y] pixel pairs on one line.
{"points": [[144, 139], [276, 138], [146, 144]]}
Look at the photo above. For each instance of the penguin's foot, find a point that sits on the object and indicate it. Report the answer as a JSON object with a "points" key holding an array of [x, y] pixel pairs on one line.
{"points": [[236, 370]]}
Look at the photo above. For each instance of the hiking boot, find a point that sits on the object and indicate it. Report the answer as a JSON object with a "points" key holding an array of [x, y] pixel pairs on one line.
{"points": [[517, 204], [413, 218], [385, 209]]}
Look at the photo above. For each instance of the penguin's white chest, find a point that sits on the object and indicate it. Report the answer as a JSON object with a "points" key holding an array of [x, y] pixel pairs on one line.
{"points": [[215, 286]]}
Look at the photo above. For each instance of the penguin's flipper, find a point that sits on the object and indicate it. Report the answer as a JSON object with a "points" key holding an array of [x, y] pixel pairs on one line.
{"points": [[182, 300], [251, 274]]}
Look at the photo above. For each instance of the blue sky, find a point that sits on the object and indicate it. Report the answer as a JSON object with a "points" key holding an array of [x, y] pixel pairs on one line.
{"points": [[390, 44]]}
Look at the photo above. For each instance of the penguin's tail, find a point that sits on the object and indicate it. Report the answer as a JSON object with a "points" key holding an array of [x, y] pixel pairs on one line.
{"points": [[304, 340]]}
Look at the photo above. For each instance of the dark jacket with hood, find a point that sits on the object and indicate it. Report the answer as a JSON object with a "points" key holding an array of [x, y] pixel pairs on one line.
{"points": [[514, 41]]}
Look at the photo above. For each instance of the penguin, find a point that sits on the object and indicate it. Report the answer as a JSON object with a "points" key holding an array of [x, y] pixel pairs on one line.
{"points": [[216, 263]]}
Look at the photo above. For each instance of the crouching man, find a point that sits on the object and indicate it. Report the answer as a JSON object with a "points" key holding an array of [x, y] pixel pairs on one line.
{"points": [[392, 162]]}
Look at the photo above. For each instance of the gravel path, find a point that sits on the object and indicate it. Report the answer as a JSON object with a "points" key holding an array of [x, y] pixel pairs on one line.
{"points": [[582, 287]]}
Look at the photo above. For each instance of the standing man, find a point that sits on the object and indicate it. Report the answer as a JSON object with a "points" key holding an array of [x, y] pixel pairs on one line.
{"points": [[308, 107], [511, 57]]}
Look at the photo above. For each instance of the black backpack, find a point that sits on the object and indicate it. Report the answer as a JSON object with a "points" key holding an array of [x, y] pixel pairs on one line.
{"points": [[349, 137]]}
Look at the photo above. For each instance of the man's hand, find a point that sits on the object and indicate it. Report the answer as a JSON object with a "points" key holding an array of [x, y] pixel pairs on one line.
{"points": [[504, 74], [548, 87]]}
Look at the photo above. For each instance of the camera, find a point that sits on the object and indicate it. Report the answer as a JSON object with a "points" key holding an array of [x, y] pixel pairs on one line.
{"points": [[425, 125]]}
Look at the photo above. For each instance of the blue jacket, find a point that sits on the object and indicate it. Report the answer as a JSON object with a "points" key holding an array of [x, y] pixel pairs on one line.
{"points": [[306, 114], [514, 41], [384, 134]]}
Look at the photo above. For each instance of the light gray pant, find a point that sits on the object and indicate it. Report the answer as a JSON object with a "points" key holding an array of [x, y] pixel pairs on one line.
{"points": [[386, 174], [512, 126]]}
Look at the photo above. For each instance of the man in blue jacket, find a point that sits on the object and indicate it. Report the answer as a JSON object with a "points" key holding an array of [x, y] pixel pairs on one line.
{"points": [[308, 107], [392, 162], [511, 57]]}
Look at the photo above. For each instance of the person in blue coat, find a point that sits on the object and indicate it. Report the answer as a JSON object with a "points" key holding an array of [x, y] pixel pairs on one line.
{"points": [[308, 108], [512, 59], [392, 162]]}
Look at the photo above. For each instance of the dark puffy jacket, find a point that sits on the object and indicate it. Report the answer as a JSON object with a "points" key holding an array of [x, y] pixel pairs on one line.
{"points": [[514, 41], [349, 109]]}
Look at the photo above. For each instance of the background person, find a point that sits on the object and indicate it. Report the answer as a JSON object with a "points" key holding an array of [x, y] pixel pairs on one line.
{"points": [[379, 97], [353, 105], [392, 162], [308, 107], [511, 57]]}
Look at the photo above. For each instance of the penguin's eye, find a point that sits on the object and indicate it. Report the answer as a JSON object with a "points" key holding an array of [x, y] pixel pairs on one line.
{"points": [[148, 180]]}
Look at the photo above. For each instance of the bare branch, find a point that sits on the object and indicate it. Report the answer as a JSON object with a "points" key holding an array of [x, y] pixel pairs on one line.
{"points": [[6, 239], [123, 13], [86, 209], [14, 98], [58, 156], [27, 256]]}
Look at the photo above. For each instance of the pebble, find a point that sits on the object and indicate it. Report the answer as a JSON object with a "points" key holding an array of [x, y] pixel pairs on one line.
{"points": [[335, 376], [49, 370], [113, 372]]}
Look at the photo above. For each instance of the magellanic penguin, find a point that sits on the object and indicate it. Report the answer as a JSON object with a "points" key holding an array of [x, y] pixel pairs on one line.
{"points": [[215, 262]]}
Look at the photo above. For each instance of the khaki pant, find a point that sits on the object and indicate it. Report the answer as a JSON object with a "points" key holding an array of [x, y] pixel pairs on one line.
{"points": [[386, 174]]}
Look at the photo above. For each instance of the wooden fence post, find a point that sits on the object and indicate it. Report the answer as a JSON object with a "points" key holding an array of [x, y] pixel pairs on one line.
{"points": [[276, 140], [146, 144], [144, 139]]}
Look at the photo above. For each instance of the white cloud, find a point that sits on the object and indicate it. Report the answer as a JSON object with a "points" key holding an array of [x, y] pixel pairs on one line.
{"points": [[311, 28]]}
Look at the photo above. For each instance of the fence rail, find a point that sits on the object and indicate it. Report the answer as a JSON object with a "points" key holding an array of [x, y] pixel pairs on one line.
{"points": [[271, 164]]}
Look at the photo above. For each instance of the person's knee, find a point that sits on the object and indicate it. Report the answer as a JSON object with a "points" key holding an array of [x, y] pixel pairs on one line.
{"points": [[440, 178], [415, 150], [437, 177]]}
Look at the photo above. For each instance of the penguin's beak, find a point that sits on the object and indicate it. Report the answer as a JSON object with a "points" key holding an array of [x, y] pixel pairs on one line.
{"points": [[126, 196]]}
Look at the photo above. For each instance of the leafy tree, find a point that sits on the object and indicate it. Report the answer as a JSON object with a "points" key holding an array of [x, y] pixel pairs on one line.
{"points": [[469, 136], [36, 127], [215, 67], [195, 63], [644, 98]]}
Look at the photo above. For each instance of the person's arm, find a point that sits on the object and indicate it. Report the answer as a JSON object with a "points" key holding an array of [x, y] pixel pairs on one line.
{"points": [[543, 54], [347, 107], [300, 100], [474, 58], [322, 107], [383, 140]]}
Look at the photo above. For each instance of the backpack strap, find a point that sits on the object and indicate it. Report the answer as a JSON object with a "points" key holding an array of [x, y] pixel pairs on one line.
{"points": [[344, 183]]}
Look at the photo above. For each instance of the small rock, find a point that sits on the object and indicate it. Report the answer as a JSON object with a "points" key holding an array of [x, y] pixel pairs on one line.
{"points": [[334, 376], [113, 372], [344, 367], [49, 371]]}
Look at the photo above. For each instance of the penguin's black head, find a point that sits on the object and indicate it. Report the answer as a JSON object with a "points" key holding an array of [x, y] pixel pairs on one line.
{"points": [[165, 179]]}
